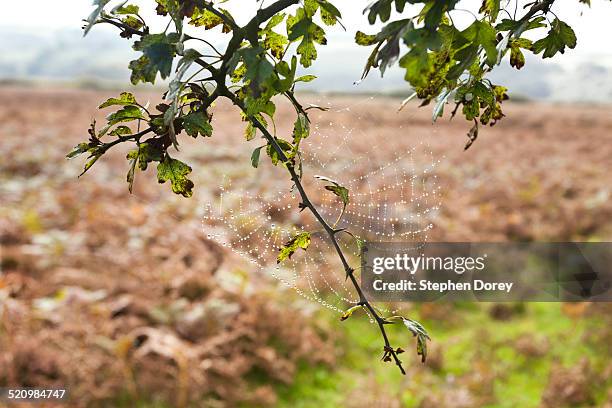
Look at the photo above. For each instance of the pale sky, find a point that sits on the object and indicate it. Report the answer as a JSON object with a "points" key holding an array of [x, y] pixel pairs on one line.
{"points": [[592, 25]]}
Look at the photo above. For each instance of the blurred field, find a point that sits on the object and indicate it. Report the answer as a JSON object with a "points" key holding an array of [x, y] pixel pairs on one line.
{"points": [[125, 301]]}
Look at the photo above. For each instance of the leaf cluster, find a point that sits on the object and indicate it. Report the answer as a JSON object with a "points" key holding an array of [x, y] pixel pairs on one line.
{"points": [[153, 142], [444, 63]]}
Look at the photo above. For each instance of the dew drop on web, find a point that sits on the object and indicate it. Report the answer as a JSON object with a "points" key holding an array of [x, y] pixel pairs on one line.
{"points": [[394, 195]]}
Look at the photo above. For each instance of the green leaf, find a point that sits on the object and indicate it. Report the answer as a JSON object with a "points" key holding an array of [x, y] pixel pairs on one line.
{"points": [[158, 52], [197, 123], [132, 22], [465, 57], [127, 9], [306, 78], [517, 59], [78, 150], [518, 27], [301, 128], [259, 105], [93, 159], [340, 191], [364, 39], [483, 33], [209, 20], [307, 52], [141, 157], [176, 171], [120, 131], [490, 7], [146, 153], [206, 19], [258, 69], [126, 114], [275, 20], [417, 65], [482, 95], [559, 36], [288, 72], [301, 240], [249, 132], [521, 42], [142, 71], [285, 146], [238, 73], [337, 189], [275, 43], [310, 7], [310, 33], [255, 156], [421, 336], [348, 313], [329, 13], [434, 11], [483, 92], [381, 9], [125, 98], [388, 44]]}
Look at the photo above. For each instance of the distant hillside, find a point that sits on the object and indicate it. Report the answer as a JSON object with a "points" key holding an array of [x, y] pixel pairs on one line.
{"points": [[66, 55]]}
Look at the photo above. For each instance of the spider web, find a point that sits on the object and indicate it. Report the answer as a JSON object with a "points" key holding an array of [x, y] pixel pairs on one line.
{"points": [[393, 193]]}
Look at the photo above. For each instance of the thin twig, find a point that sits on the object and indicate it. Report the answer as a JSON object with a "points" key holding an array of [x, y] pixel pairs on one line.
{"points": [[329, 230]]}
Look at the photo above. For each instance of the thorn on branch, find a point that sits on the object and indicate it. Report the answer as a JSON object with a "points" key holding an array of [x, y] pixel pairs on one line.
{"points": [[388, 352]]}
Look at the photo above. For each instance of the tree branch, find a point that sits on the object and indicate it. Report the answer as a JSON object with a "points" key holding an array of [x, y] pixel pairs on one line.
{"points": [[363, 301], [543, 5], [124, 27], [265, 14]]}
